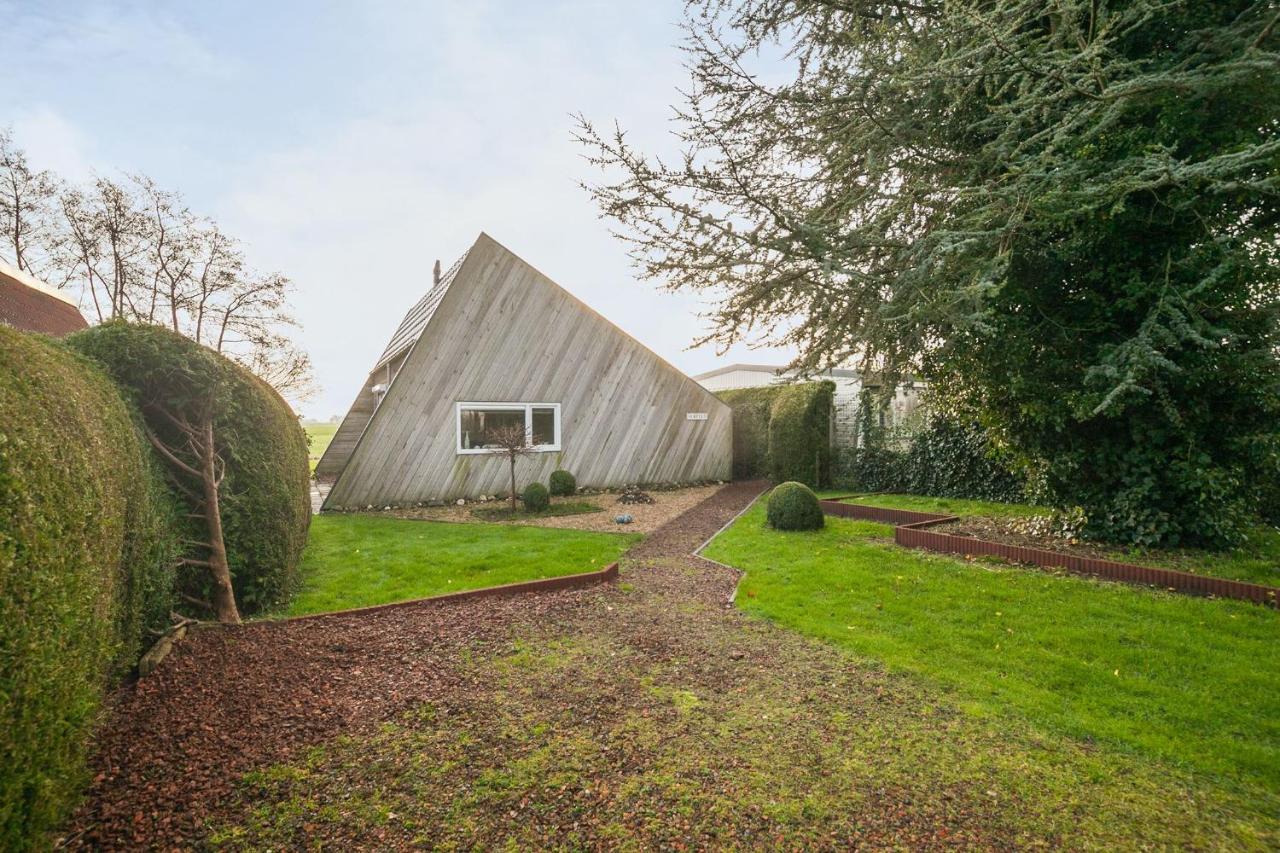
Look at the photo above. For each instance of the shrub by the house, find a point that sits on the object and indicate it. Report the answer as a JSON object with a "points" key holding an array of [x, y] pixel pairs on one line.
{"points": [[264, 497], [794, 506], [535, 497], [86, 554], [562, 483]]}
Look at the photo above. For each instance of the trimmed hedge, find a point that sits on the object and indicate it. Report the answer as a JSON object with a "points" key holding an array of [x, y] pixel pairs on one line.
{"points": [[750, 407], [562, 483], [535, 497], [266, 497], [800, 433], [782, 432], [86, 556], [794, 506]]}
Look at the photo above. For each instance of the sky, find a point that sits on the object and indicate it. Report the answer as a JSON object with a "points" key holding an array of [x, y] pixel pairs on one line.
{"points": [[351, 144]]}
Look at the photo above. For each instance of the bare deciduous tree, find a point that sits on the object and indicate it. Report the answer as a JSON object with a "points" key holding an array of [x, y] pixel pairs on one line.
{"points": [[512, 441], [26, 208], [137, 252]]}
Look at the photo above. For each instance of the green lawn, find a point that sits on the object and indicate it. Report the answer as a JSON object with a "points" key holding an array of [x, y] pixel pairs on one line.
{"points": [[1172, 678], [320, 434], [360, 560], [953, 506], [1255, 561]]}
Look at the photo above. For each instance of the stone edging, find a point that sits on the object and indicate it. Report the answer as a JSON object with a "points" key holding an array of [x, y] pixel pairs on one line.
{"points": [[909, 531], [697, 552]]}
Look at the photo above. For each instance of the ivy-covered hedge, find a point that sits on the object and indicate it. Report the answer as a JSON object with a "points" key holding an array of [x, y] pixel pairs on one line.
{"points": [[945, 459], [751, 407], [800, 434], [782, 432], [265, 495], [86, 555]]}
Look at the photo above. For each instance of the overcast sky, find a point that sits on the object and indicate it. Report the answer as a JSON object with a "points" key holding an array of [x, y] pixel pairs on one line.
{"points": [[351, 144]]}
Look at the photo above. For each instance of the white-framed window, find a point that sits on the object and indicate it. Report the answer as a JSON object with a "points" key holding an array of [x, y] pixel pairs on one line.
{"points": [[541, 422]]}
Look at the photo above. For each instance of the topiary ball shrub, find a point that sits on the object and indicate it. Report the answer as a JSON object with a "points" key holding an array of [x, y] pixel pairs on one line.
{"points": [[86, 569], [265, 496], [535, 497], [563, 483], [794, 506]]}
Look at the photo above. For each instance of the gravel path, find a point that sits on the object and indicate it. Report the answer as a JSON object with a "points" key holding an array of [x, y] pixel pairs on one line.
{"points": [[667, 505], [645, 713]]}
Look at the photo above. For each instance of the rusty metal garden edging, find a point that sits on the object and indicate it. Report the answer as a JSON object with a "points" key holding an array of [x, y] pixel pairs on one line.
{"points": [[910, 531], [576, 581]]}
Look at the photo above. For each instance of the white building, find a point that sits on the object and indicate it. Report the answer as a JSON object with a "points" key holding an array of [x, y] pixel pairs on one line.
{"points": [[847, 398]]}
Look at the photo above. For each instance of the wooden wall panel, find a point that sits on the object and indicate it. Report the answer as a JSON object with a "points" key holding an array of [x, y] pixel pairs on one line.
{"points": [[506, 333], [338, 453]]}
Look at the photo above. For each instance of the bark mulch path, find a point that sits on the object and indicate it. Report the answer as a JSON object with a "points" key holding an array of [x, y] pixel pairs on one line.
{"points": [[645, 713]]}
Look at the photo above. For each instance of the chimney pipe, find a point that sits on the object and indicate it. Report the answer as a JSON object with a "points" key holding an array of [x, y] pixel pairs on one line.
{"points": [[435, 273]]}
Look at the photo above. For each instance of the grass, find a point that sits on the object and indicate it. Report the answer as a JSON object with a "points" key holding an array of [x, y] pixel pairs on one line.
{"points": [[503, 512], [953, 506], [358, 560], [320, 435], [1177, 679], [1257, 560]]}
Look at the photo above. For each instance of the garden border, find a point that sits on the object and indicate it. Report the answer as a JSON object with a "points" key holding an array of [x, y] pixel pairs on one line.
{"points": [[561, 582], [909, 531]]}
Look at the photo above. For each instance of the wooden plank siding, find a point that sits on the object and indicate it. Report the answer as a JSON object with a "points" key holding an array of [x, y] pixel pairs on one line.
{"points": [[505, 333]]}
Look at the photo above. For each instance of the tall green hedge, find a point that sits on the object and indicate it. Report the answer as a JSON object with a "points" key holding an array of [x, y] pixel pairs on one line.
{"points": [[86, 555], [750, 407], [265, 496], [800, 434], [782, 432]]}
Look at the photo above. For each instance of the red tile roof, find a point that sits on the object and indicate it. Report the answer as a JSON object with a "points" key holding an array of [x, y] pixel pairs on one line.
{"points": [[26, 304]]}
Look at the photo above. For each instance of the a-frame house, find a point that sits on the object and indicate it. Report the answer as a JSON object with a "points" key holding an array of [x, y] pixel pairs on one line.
{"points": [[495, 343]]}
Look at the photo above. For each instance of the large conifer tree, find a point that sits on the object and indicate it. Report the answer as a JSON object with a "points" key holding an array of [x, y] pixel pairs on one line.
{"points": [[1064, 211]]}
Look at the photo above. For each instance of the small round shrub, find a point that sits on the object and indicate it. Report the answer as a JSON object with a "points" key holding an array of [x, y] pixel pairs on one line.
{"points": [[535, 497], [794, 506], [86, 557], [562, 483]]}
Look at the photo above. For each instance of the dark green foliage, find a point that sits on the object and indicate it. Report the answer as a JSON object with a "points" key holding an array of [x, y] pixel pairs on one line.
{"points": [[947, 458], [750, 408], [800, 433], [1268, 491], [86, 558], [794, 506], [1067, 212], [535, 497], [782, 432], [265, 496], [562, 483]]}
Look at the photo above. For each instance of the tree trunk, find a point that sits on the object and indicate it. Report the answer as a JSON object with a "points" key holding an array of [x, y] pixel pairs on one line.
{"points": [[224, 599], [513, 484]]}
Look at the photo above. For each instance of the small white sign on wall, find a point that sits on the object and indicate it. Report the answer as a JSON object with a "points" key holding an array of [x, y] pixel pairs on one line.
{"points": [[695, 416]]}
